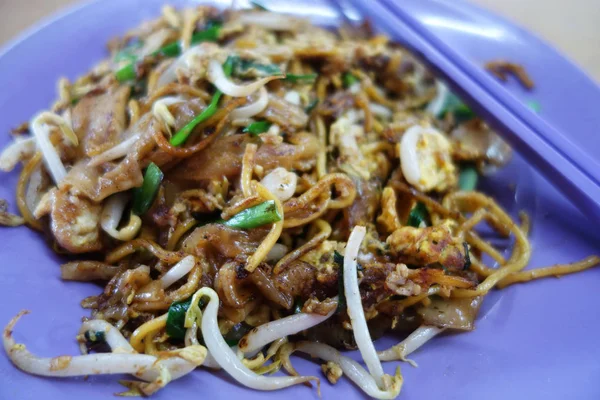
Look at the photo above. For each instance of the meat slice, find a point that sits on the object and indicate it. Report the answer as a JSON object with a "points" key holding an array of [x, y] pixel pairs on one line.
{"points": [[224, 157], [100, 181]]}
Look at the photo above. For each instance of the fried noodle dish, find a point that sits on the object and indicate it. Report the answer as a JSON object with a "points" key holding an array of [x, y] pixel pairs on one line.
{"points": [[246, 185]]}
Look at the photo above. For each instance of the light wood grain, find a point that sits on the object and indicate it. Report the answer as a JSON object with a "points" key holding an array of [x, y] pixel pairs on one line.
{"points": [[571, 25]]}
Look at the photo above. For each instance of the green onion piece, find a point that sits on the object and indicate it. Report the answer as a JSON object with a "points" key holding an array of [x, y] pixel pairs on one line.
{"points": [[228, 65], [237, 332], [447, 102], [259, 215], [175, 326], [243, 68], [311, 106], [257, 128], [535, 106], [128, 52], [172, 49], [182, 135], [455, 105], [143, 197], [339, 260], [463, 112], [467, 180], [124, 55], [298, 304], [348, 79], [259, 6], [176, 317], [294, 78], [419, 216], [467, 256], [210, 34], [95, 336], [126, 73]]}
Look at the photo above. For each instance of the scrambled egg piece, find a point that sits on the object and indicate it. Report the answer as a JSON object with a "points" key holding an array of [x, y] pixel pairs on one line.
{"points": [[75, 220], [426, 159], [389, 220], [431, 245], [345, 134]]}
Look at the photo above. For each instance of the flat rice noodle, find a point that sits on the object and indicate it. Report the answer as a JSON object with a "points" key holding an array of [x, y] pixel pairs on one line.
{"points": [[223, 240], [333, 333], [232, 287], [262, 278], [99, 182], [114, 302], [363, 209], [223, 158], [98, 121], [297, 279], [87, 271], [284, 113], [454, 313], [185, 111]]}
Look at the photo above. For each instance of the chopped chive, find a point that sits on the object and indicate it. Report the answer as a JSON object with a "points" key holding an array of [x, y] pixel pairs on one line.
{"points": [[462, 112], [126, 73], [176, 317], [243, 68], [175, 326], [447, 102], [237, 332], [467, 256], [257, 128], [348, 79], [95, 336], [419, 216], [294, 78], [298, 304], [170, 50], [467, 179], [128, 52], [456, 106], [210, 34], [182, 135], [259, 6], [143, 197], [124, 55], [339, 260], [228, 65], [311, 106], [253, 217]]}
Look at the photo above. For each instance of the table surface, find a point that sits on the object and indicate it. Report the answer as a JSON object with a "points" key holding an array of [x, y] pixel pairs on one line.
{"points": [[569, 25]]}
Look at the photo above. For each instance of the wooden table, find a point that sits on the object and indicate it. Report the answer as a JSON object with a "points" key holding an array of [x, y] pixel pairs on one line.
{"points": [[569, 25]]}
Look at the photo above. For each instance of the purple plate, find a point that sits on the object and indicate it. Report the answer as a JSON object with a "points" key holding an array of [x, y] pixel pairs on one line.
{"points": [[536, 340]]}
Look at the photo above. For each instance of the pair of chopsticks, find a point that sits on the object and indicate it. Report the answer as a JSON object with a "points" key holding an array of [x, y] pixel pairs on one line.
{"points": [[572, 168]]}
